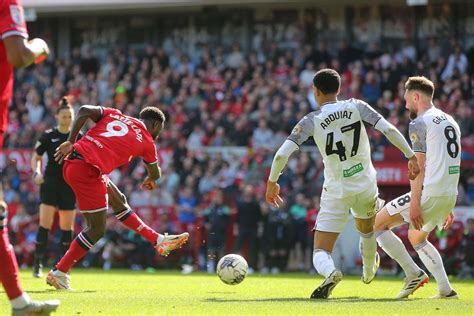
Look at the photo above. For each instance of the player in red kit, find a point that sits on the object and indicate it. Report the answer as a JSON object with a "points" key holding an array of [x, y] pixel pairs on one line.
{"points": [[114, 141], [15, 51]]}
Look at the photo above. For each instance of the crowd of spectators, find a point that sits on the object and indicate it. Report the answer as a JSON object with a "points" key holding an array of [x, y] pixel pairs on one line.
{"points": [[214, 99]]}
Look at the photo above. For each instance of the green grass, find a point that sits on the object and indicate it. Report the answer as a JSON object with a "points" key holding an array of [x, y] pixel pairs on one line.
{"points": [[168, 293]]}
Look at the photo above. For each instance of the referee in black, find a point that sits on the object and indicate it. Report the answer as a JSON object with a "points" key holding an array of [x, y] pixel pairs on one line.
{"points": [[55, 194]]}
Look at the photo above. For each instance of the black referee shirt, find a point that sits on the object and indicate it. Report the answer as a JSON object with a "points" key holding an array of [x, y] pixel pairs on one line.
{"points": [[48, 142]]}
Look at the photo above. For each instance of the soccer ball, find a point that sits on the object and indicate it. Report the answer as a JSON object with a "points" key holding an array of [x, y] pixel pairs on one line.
{"points": [[232, 269]]}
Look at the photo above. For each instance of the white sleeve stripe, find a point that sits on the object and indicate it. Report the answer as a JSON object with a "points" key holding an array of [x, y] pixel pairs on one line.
{"points": [[13, 33], [152, 163]]}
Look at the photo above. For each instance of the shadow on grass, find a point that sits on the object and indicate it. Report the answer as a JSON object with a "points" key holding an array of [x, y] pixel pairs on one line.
{"points": [[350, 299], [225, 293]]}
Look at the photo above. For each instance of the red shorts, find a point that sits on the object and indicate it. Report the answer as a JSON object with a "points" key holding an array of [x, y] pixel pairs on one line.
{"points": [[88, 184]]}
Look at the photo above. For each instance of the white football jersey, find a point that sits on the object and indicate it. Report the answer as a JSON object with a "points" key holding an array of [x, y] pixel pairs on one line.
{"points": [[438, 135], [339, 132]]}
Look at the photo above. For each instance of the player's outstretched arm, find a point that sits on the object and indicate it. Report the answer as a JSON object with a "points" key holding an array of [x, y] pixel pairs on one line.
{"points": [[369, 115], [272, 194], [397, 139], [416, 186], [372, 117], [417, 131], [302, 131], [22, 53], [85, 112]]}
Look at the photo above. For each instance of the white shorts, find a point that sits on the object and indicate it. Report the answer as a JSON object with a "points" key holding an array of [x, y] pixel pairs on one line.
{"points": [[435, 209], [334, 212]]}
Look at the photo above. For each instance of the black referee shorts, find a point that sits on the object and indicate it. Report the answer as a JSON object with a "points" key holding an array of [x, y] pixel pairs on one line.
{"points": [[57, 193]]}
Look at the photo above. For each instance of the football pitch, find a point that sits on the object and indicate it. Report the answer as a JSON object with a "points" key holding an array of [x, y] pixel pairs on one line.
{"points": [[119, 292]]}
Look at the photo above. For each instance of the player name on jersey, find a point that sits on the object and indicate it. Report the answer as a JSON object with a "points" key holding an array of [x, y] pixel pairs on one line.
{"points": [[335, 116], [439, 119]]}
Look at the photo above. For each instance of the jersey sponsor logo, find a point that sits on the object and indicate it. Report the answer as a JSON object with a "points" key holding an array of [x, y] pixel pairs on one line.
{"points": [[335, 116], [95, 141], [53, 140], [16, 14], [454, 169], [353, 170]]}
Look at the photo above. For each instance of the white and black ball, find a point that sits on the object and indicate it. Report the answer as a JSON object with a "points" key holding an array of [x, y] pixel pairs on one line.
{"points": [[232, 269]]}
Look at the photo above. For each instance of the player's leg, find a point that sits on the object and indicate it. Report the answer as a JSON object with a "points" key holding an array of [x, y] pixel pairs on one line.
{"points": [[364, 208], [66, 225], [67, 216], [323, 263], [90, 188], [85, 240], [435, 212], [391, 244], [323, 246], [9, 275], [394, 214], [331, 220], [367, 248], [164, 244], [46, 217]]}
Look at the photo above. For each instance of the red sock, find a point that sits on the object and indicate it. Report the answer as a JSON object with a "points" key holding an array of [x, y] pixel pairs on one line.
{"points": [[9, 267], [132, 221], [78, 249]]}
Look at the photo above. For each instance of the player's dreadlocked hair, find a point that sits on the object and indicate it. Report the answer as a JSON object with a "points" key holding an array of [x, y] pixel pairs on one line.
{"points": [[64, 103], [151, 113], [327, 80]]}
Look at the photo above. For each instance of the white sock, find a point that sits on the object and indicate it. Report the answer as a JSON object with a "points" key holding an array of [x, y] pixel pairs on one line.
{"points": [[21, 301], [160, 239], [368, 247], [393, 246], [433, 262], [323, 262]]}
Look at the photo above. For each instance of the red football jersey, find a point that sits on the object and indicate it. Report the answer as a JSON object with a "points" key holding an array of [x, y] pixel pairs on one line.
{"points": [[12, 22], [115, 140]]}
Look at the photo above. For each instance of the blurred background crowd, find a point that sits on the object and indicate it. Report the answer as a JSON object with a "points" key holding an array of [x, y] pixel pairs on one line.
{"points": [[228, 109]]}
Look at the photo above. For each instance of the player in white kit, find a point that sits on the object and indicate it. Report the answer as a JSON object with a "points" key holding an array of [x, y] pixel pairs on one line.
{"points": [[436, 141], [350, 182]]}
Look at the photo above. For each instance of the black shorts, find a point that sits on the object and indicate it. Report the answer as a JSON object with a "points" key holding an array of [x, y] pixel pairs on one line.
{"points": [[57, 193]]}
